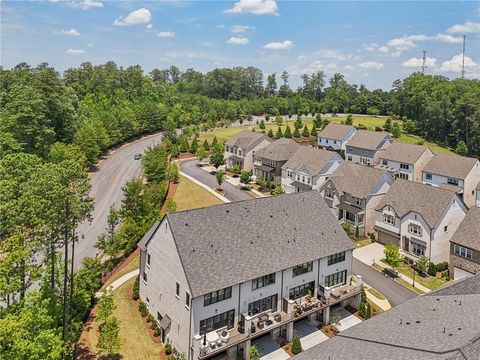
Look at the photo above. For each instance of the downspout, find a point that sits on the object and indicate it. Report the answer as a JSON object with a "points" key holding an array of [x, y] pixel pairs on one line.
{"points": [[190, 330]]}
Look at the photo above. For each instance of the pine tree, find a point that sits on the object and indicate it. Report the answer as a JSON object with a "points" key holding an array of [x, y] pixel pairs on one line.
{"points": [[296, 133], [206, 146], [270, 133], [279, 133], [305, 132], [461, 149], [314, 132], [288, 132], [194, 146], [214, 142], [296, 346]]}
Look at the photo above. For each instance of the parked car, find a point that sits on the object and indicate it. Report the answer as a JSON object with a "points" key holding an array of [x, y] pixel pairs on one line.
{"points": [[390, 272], [137, 156]]}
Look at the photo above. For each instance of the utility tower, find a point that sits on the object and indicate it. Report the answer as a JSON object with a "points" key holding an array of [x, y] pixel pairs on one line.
{"points": [[424, 63], [463, 58]]}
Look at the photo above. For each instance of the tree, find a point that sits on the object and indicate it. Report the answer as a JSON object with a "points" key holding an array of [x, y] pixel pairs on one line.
{"points": [[296, 345], [155, 163], [279, 133], [105, 305], [279, 120], [278, 190], [421, 265], [60, 152], [205, 145], [91, 137], [201, 153], [171, 206], [173, 172], [317, 121], [253, 353], [245, 177], [305, 132], [362, 308], [216, 158], [396, 131], [461, 148], [335, 320], [109, 341], [296, 133], [108, 242], [220, 176], [349, 120], [392, 255], [388, 125], [261, 125], [357, 232], [134, 205], [271, 86], [314, 132], [193, 146], [270, 133]]}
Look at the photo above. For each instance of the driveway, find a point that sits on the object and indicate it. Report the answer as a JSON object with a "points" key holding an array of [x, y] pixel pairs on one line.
{"points": [[232, 193], [347, 318], [269, 349], [309, 334], [367, 254]]}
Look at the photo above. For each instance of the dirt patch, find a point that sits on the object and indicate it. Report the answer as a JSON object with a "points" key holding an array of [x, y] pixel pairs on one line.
{"points": [[329, 330], [220, 191], [288, 349]]}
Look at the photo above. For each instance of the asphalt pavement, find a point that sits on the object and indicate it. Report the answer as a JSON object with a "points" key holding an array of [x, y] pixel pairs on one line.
{"points": [[394, 292]]}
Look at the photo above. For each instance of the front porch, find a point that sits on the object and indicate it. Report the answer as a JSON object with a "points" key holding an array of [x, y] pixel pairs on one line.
{"points": [[352, 216]]}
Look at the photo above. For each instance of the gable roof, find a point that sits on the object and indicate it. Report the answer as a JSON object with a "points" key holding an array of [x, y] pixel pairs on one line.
{"points": [[279, 150], [365, 139], [404, 153], [217, 250], [335, 131], [450, 165], [355, 179], [440, 325], [406, 196], [246, 139], [312, 158], [468, 233]]}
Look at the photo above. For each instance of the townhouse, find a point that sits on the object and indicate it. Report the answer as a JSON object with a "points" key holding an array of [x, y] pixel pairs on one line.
{"points": [[456, 172], [465, 247], [335, 137], [440, 325], [214, 284], [365, 146], [268, 161], [308, 169], [478, 194], [405, 161], [353, 192], [420, 219], [240, 149]]}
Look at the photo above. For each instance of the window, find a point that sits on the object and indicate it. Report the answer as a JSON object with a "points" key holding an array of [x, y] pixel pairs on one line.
{"points": [[240, 152], [402, 176], [337, 278], [187, 300], [303, 178], [302, 269], [415, 229], [227, 148], [463, 251], [417, 249], [263, 281], [428, 176], [335, 142], [452, 181], [268, 303], [404, 166], [365, 161], [147, 301], [445, 228], [389, 219], [329, 193], [218, 321], [302, 290], [145, 278], [177, 290], [357, 201], [217, 296], [159, 317], [326, 141], [336, 258], [308, 180], [385, 162], [349, 158], [148, 260]]}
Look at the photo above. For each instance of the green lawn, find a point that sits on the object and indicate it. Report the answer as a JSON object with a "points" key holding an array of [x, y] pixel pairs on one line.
{"points": [[375, 308], [361, 243], [134, 264], [431, 282], [412, 139], [376, 293], [401, 281], [190, 196]]}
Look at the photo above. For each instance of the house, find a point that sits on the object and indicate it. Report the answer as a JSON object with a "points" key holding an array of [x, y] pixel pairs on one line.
{"points": [[465, 247], [478, 194], [214, 283], [365, 146], [440, 325], [308, 169], [456, 172], [405, 161], [353, 192], [268, 161], [240, 149], [335, 136], [420, 219]]}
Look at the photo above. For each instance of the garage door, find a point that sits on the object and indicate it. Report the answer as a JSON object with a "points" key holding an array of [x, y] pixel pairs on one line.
{"points": [[385, 239], [459, 274]]}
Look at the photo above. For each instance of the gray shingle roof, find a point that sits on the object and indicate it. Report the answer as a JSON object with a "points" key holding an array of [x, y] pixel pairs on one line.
{"points": [[227, 244], [246, 138], [280, 150], [451, 165], [414, 330], [468, 233], [404, 153], [365, 139], [357, 180], [313, 159], [406, 196], [335, 131]]}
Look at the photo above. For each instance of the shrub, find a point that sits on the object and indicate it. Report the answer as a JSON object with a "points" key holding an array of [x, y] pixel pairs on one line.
{"points": [[357, 232], [372, 236], [296, 346], [442, 266], [143, 309], [172, 357], [368, 313], [347, 228], [378, 128], [361, 127], [136, 289], [168, 349], [432, 269]]}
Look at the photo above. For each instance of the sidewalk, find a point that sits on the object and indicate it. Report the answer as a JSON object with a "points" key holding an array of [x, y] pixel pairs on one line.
{"points": [[382, 304], [119, 282]]}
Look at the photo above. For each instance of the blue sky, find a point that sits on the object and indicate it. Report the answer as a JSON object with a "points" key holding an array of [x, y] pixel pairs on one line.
{"points": [[371, 43]]}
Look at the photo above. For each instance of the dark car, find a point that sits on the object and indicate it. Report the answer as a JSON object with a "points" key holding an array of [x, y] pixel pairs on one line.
{"points": [[390, 273], [137, 156]]}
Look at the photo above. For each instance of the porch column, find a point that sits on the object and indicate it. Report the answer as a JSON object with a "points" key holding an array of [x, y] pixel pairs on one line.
{"points": [[245, 346], [289, 332], [326, 315]]}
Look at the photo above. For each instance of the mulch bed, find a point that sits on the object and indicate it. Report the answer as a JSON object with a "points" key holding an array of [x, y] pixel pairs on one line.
{"points": [[184, 156], [330, 330], [288, 349], [220, 191], [172, 188]]}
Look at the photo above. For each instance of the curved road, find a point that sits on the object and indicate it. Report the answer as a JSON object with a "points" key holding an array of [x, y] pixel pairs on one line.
{"points": [[107, 182]]}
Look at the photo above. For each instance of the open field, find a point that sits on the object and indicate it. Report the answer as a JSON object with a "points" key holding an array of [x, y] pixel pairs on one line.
{"points": [[190, 196], [370, 122]]}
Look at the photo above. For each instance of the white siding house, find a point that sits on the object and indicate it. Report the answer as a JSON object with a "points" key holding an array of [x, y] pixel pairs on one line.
{"points": [[335, 137]]}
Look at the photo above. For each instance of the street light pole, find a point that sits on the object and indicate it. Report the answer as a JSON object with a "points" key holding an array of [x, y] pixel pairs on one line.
{"points": [[413, 268]]}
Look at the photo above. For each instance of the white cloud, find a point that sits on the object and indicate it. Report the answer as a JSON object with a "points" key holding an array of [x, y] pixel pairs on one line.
{"points": [[139, 16], [371, 65], [75, 51], [455, 64], [90, 45], [166, 34], [448, 38], [408, 42], [383, 49], [401, 44], [85, 4], [418, 62], [237, 29], [257, 7], [468, 27], [280, 45], [149, 27], [70, 32], [238, 40]]}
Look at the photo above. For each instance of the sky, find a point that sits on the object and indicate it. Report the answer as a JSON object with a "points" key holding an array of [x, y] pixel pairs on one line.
{"points": [[371, 43]]}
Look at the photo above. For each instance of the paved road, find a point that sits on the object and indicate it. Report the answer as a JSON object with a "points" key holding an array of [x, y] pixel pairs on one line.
{"points": [[232, 193], [394, 292], [107, 182]]}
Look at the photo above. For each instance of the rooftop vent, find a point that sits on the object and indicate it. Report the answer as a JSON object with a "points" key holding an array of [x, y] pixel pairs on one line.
{"points": [[418, 321], [228, 211], [186, 224]]}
